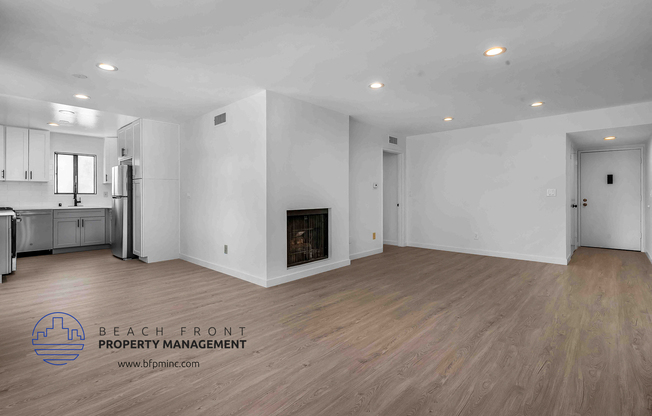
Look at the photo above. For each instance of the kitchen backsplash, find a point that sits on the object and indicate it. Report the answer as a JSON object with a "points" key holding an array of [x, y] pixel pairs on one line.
{"points": [[41, 194]]}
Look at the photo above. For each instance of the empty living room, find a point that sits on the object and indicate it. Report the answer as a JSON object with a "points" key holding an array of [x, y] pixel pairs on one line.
{"points": [[325, 208]]}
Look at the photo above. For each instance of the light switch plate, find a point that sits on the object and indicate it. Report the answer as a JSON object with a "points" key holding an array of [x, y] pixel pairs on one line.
{"points": [[551, 192], [106, 194]]}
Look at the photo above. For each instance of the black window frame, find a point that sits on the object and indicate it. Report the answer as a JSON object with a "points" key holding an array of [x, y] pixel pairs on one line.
{"points": [[75, 173]]}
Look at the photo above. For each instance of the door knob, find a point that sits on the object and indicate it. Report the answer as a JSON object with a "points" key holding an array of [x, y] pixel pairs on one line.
{"points": [[585, 204], [584, 200]]}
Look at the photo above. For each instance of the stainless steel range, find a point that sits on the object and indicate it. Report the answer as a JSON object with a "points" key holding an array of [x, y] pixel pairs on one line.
{"points": [[7, 241]]}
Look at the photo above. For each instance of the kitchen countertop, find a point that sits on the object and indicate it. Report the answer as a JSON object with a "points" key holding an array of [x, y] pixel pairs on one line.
{"points": [[36, 207]]}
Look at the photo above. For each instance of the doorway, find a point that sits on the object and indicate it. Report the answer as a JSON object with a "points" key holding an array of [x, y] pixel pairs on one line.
{"points": [[390, 198], [610, 199]]}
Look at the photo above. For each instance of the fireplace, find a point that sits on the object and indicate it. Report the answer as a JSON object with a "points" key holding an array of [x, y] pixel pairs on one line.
{"points": [[307, 236]]}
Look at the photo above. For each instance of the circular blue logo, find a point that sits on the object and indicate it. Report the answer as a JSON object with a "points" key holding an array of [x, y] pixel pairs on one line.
{"points": [[58, 338]]}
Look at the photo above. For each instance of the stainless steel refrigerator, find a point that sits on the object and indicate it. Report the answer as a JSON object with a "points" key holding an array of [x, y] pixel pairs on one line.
{"points": [[122, 218]]}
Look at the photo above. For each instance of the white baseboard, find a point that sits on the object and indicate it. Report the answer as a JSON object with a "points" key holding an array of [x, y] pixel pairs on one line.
{"points": [[648, 256], [365, 253], [306, 272], [391, 242], [515, 256], [225, 270]]}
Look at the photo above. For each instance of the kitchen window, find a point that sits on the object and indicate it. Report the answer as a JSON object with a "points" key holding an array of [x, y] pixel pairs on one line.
{"points": [[74, 174]]}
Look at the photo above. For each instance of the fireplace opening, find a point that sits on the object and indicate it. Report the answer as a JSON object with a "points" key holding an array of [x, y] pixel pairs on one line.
{"points": [[307, 236]]}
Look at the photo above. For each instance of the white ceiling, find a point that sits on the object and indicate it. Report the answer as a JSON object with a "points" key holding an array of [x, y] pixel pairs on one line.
{"points": [[625, 136], [179, 59], [24, 112]]}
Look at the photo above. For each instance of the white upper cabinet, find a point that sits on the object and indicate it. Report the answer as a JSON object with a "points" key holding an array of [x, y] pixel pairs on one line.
{"points": [[110, 157], [38, 155], [129, 142], [27, 154], [122, 141], [16, 153], [126, 139], [137, 161], [3, 172], [153, 147]]}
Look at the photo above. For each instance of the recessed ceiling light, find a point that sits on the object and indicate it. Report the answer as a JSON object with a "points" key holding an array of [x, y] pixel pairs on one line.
{"points": [[82, 96], [537, 104], [610, 138], [496, 50], [376, 85], [53, 124], [107, 67], [64, 122], [80, 76], [67, 112], [448, 119]]}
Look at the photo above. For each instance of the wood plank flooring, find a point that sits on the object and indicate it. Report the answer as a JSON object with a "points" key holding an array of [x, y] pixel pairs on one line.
{"points": [[407, 332]]}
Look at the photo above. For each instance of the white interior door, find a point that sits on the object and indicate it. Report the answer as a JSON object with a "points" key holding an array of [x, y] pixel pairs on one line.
{"points": [[611, 213]]}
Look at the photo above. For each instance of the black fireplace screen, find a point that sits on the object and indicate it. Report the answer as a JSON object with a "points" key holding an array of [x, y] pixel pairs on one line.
{"points": [[307, 236]]}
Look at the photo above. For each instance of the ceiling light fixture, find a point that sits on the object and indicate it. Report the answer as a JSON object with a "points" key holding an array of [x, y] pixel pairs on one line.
{"points": [[107, 67], [610, 138], [496, 50], [82, 96], [67, 112], [376, 85], [537, 104], [448, 119], [53, 124]]}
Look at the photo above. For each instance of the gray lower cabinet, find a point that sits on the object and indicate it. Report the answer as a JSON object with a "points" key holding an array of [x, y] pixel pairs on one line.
{"points": [[93, 231], [78, 228], [67, 232]]}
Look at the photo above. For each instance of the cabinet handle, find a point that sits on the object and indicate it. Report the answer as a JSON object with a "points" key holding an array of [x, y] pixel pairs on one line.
{"points": [[25, 175], [30, 175], [3, 173], [77, 223], [82, 223]]}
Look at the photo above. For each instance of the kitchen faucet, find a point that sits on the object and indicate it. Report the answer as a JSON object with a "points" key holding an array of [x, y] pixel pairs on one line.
{"points": [[75, 200]]}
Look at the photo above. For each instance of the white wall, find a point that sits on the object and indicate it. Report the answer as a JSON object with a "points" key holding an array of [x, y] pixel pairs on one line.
{"points": [[390, 199], [223, 190], [41, 194], [366, 144], [492, 180], [307, 167]]}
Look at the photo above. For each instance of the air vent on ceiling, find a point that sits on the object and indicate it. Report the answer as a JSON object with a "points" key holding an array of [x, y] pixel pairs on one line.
{"points": [[393, 140], [220, 119]]}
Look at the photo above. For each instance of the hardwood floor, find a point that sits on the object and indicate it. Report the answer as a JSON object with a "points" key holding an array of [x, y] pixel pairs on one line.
{"points": [[407, 332]]}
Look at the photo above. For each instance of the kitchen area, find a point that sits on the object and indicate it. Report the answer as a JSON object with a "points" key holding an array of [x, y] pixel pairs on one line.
{"points": [[65, 193]]}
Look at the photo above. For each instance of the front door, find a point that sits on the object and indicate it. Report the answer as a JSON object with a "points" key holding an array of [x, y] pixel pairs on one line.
{"points": [[610, 199]]}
